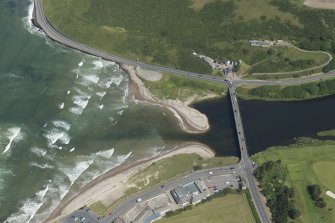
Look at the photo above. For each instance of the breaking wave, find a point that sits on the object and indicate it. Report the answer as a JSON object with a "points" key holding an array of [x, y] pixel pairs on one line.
{"points": [[12, 134], [28, 24], [29, 208]]}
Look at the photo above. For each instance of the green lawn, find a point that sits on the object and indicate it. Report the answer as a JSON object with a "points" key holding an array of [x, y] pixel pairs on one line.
{"points": [[313, 164], [167, 32], [163, 171], [233, 208], [289, 60], [288, 93], [175, 87], [174, 166], [327, 133], [98, 207]]}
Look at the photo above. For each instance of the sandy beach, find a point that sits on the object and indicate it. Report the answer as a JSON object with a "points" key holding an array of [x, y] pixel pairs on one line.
{"points": [[111, 186], [190, 120]]}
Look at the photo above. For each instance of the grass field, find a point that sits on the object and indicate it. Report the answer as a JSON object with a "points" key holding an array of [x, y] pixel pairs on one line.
{"points": [[327, 133], [233, 208], [289, 60], [313, 164], [175, 87], [167, 32], [171, 167], [288, 93], [163, 171], [98, 207]]}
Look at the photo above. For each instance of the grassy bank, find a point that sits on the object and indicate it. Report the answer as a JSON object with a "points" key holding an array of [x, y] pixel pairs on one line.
{"points": [[289, 93], [307, 162], [327, 133], [288, 60], [172, 167], [167, 32], [176, 87], [227, 209], [162, 171]]}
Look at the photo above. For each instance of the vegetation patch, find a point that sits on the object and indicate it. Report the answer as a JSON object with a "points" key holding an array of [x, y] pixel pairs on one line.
{"points": [[176, 87], [307, 162], [172, 167], [289, 60], [327, 133], [233, 208], [167, 32], [272, 176], [98, 207], [296, 92]]}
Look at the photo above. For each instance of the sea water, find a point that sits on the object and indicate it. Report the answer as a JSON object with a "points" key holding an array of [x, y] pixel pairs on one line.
{"points": [[60, 115]]}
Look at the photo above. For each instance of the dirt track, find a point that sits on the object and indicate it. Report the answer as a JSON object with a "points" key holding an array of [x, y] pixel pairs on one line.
{"points": [[321, 4]]}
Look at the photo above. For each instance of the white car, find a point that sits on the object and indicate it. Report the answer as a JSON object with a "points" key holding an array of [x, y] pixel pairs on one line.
{"points": [[210, 172], [139, 200]]}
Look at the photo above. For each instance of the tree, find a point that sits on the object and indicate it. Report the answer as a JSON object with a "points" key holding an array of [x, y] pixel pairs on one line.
{"points": [[294, 213]]}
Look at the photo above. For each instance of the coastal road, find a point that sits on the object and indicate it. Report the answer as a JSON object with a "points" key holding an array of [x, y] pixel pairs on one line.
{"points": [[131, 201], [245, 162], [54, 34], [42, 21]]}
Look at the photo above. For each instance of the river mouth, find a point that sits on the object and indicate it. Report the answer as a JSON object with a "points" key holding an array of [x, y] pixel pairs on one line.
{"points": [[266, 124]]}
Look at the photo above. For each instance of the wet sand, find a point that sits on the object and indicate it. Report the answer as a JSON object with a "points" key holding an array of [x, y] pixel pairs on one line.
{"points": [[110, 186]]}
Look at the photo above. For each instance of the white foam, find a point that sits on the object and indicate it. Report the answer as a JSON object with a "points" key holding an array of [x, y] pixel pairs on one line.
{"points": [[101, 94], [101, 107], [74, 172], [105, 154], [61, 124], [43, 166], [98, 64], [82, 93], [38, 151], [12, 134], [29, 208], [120, 112], [28, 24], [55, 134], [81, 101], [107, 83], [61, 105], [65, 139], [91, 78]]}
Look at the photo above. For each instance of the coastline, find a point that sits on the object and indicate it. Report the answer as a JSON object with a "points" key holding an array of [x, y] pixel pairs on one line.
{"points": [[190, 119], [111, 186]]}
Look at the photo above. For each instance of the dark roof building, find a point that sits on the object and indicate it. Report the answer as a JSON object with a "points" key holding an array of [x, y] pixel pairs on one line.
{"points": [[189, 193]]}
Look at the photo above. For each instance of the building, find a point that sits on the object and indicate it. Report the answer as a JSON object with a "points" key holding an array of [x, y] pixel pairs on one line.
{"points": [[222, 65], [190, 193], [261, 43]]}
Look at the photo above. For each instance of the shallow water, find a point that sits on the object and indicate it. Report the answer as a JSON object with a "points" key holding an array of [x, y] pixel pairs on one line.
{"points": [[65, 118]]}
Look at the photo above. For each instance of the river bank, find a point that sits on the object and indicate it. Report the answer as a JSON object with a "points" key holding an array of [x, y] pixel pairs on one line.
{"points": [[112, 185], [190, 119]]}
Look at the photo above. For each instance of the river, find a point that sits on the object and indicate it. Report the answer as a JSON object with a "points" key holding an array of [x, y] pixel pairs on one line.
{"points": [[66, 118]]}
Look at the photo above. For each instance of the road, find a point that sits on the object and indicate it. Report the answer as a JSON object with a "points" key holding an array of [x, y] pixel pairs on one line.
{"points": [[132, 201], [55, 35], [245, 161], [52, 33]]}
